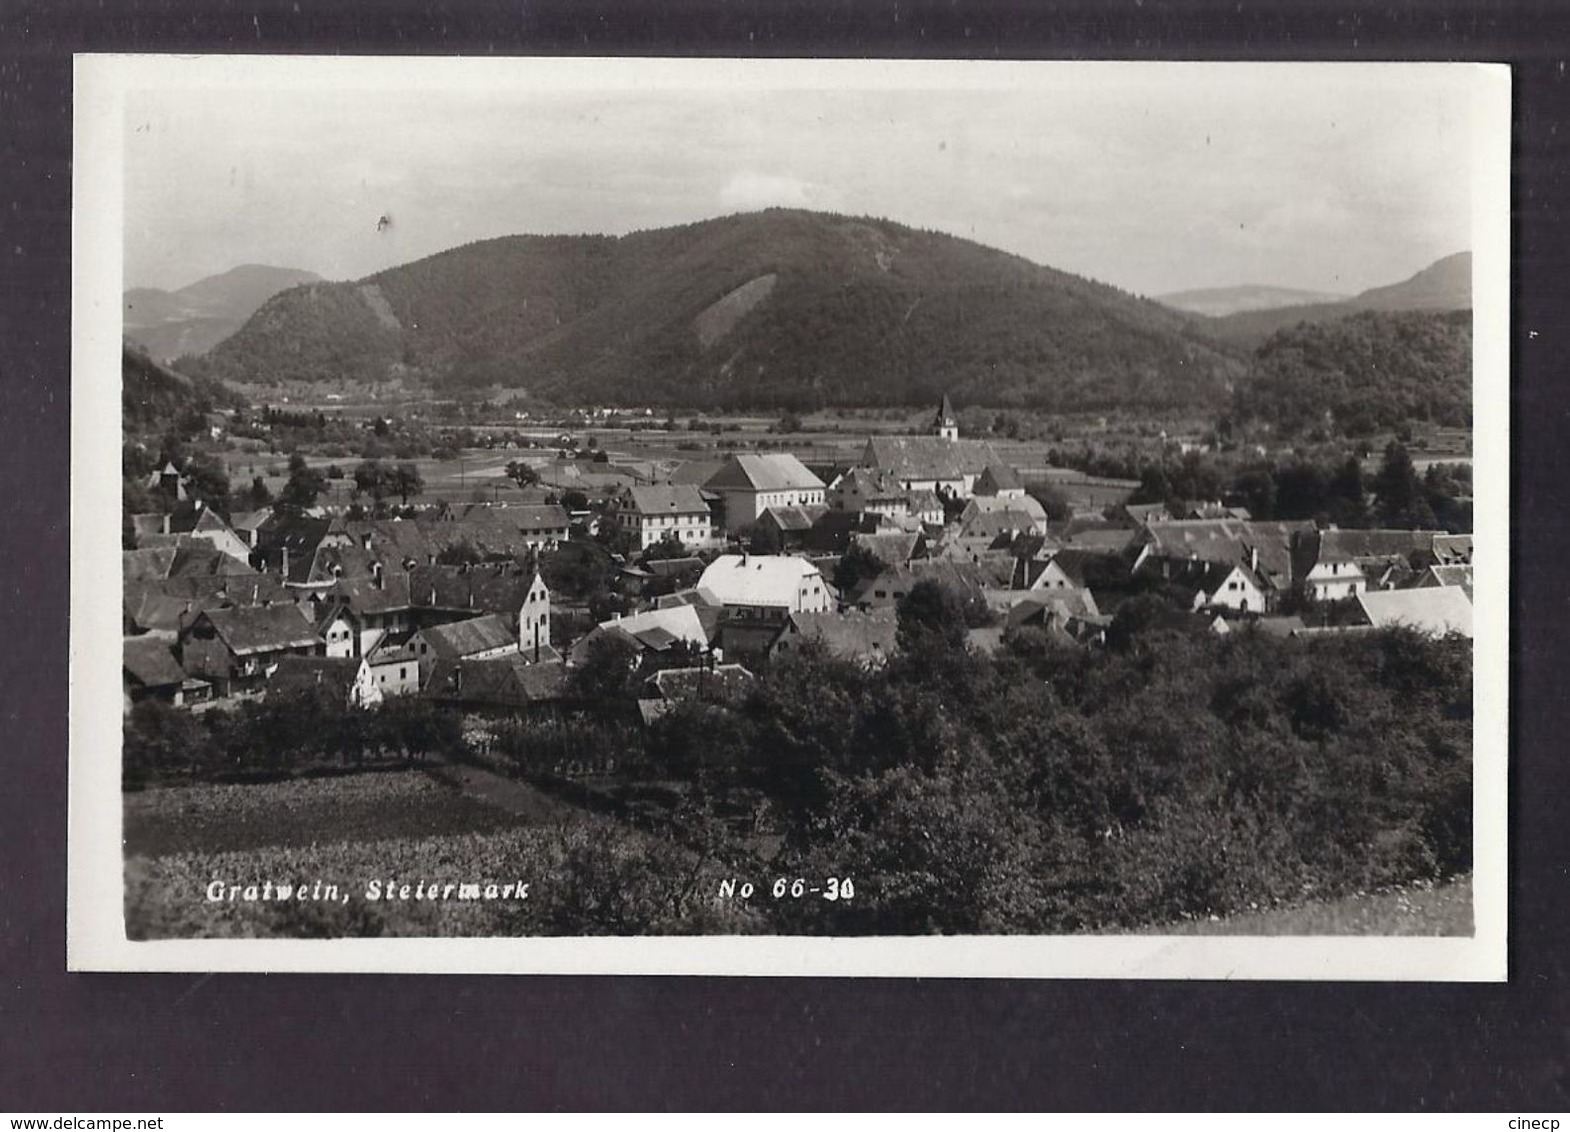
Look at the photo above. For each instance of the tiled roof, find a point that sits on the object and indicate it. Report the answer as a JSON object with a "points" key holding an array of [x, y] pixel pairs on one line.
{"points": [[998, 477], [310, 671], [771, 471], [667, 499], [262, 628], [681, 621], [929, 457], [794, 518], [1436, 610], [1230, 540], [146, 565], [512, 680], [477, 634], [853, 635], [150, 662]]}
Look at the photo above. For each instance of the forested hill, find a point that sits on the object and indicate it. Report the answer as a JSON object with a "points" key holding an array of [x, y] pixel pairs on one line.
{"points": [[1368, 371], [155, 400], [781, 308]]}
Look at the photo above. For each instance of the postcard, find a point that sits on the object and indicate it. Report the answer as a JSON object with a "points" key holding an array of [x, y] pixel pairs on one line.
{"points": [[790, 517]]}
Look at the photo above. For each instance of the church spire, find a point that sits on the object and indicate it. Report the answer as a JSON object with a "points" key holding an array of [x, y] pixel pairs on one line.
{"points": [[945, 425]]}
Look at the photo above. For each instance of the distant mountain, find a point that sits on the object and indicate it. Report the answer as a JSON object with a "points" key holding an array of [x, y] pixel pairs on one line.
{"points": [[1219, 301], [194, 319], [1444, 285], [778, 309]]}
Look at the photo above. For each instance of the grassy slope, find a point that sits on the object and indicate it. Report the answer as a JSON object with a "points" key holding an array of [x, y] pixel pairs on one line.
{"points": [[1438, 910]]}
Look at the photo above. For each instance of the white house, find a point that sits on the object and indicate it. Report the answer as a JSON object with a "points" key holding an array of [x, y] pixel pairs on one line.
{"points": [[751, 484], [771, 586], [660, 511]]}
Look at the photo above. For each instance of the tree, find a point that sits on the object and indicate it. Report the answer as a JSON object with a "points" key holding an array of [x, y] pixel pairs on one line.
{"points": [[521, 473], [608, 672], [855, 566], [206, 480], [406, 481], [258, 496], [931, 617], [304, 486], [1399, 492], [574, 501], [371, 477]]}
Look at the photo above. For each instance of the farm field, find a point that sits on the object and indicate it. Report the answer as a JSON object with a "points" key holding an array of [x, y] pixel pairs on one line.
{"points": [[371, 806], [352, 843]]}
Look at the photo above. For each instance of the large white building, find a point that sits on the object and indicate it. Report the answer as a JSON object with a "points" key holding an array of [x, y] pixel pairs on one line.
{"points": [[767, 586], [751, 484]]}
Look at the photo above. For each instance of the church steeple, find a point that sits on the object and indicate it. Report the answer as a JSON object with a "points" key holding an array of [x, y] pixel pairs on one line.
{"points": [[945, 425]]}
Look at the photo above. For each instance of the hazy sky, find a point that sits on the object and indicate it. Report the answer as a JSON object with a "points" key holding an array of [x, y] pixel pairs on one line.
{"points": [[1151, 177]]}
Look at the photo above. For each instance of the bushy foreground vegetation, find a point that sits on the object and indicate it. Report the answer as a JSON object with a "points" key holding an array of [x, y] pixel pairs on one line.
{"points": [[1171, 776]]}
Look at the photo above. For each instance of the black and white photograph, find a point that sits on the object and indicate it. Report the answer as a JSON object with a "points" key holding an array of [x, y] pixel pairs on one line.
{"points": [[790, 517]]}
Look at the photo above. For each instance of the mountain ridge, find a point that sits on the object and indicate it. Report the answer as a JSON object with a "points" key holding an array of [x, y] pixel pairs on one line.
{"points": [[781, 308]]}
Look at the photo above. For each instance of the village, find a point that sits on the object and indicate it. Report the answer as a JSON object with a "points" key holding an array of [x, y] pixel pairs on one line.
{"points": [[723, 566]]}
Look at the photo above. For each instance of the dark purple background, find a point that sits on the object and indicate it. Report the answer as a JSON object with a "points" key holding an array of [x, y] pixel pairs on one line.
{"points": [[149, 1043]]}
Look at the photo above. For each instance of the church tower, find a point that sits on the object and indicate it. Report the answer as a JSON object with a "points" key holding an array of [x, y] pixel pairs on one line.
{"points": [[945, 426], [534, 619]]}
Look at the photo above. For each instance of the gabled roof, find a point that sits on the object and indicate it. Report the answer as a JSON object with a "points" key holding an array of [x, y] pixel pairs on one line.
{"points": [[758, 579], [336, 672], [477, 634], [794, 519], [1229, 540], [998, 477], [680, 621], [769, 471], [146, 565], [1055, 609], [892, 548], [667, 499], [852, 635], [1448, 576], [1004, 520], [262, 628], [1435, 610], [502, 681], [870, 484], [929, 457], [149, 662]]}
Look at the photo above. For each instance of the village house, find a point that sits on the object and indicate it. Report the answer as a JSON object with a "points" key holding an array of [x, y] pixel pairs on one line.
{"points": [[237, 650], [749, 484], [862, 490], [766, 586], [1334, 565], [150, 671], [1266, 548], [475, 638], [653, 631], [362, 682], [1435, 611], [868, 639], [507, 684], [999, 481], [790, 528], [665, 511]]}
